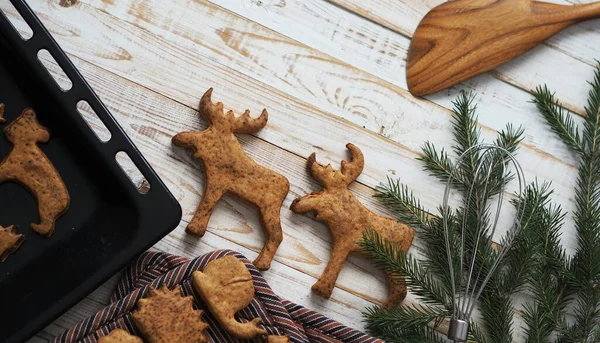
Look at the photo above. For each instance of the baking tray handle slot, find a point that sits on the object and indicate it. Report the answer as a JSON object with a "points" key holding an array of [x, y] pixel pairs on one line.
{"points": [[133, 172], [57, 73], [19, 24]]}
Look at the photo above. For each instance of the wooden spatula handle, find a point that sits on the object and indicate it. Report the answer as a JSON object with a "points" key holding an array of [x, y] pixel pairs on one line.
{"points": [[568, 12]]}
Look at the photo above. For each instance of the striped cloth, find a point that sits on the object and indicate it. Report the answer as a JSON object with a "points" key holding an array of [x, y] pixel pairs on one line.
{"points": [[279, 317]]}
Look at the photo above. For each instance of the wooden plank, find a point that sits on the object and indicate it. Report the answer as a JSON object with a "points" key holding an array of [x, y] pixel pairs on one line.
{"points": [[258, 107], [177, 53], [568, 56], [232, 219], [381, 52], [151, 120], [348, 93], [411, 12], [154, 128], [185, 79]]}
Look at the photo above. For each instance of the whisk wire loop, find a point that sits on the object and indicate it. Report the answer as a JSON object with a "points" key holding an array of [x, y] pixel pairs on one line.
{"points": [[488, 162]]}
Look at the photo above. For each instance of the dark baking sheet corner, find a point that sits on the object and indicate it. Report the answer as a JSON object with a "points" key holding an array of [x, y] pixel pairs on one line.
{"points": [[109, 221]]}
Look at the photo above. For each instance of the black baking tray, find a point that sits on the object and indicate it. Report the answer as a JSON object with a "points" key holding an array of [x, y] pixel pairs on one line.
{"points": [[109, 221]]}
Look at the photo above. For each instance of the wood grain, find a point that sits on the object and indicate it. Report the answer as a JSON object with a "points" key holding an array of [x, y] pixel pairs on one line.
{"points": [[162, 117], [454, 42], [375, 49], [327, 77], [149, 120], [335, 32], [151, 54], [345, 92], [570, 55]]}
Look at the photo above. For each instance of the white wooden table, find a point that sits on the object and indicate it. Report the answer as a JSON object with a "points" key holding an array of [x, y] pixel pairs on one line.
{"points": [[328, 74]]}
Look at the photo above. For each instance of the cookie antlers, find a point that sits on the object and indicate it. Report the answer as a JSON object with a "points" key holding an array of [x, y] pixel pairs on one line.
{"points": [[347, 219]]}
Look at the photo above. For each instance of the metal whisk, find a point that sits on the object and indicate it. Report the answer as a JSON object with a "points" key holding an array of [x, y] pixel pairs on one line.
{"points": [[480, 216]]}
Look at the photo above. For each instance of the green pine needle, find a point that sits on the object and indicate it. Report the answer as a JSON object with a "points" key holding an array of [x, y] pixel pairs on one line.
{"points": [[393, 260], [408, 317], [584, 268], [561, 123], [422, 334], [439, 164], [466, 133], [400, 199]]}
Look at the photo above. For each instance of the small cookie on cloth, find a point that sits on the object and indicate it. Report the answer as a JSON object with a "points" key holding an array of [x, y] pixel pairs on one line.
{"points": [[166, 316], [9, 241], [226, 287], [120, 336], [278, 339], [27, 165]]}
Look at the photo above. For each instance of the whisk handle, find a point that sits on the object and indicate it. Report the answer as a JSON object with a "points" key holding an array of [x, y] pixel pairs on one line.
{"points": [[458, 330]]}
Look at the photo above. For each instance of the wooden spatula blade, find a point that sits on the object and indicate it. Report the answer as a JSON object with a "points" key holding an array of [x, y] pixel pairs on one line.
{"points": [[464, 38]]}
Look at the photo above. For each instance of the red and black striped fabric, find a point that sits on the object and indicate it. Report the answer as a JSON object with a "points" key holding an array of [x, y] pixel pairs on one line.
{"points": [[153, 269]]}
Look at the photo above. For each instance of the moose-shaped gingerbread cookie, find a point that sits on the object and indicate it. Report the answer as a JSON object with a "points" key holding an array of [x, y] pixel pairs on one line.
{"points": [[229, 170], [28, 166], [348, 219], [10, 241]]}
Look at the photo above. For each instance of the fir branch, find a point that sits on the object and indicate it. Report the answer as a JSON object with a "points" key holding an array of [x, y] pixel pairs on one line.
{"points": [[586, 313], [596, 335], [586, 262], [476, 334], [497, 316], [422, 334], [536, 259], [436, 251], [593, 105], [439, 165], [466, 133], [517, 266], [539, 326], [561, 123], [510, 138], [546, 281], [407, 208], [496, 304], [393, 260], [407, 317]]}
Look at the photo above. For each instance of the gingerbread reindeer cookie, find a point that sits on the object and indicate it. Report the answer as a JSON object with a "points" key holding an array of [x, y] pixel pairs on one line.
{"points": [[348, 219], [28, 166], [10, 241], [229, 170]]}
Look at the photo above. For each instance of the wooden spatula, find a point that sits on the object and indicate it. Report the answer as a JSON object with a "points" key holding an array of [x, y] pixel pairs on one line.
{"points": [[463, 38]]}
